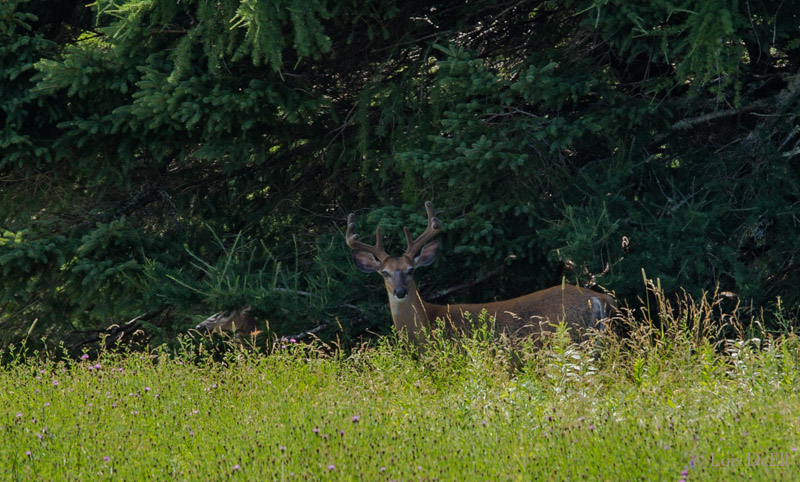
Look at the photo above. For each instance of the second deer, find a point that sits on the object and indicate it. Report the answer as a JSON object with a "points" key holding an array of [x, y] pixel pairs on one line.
{"points": [[527, 315]]}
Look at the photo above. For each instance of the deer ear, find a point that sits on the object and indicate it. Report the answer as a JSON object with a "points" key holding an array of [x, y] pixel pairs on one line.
{"points": [[365, 261], [427, 254]]}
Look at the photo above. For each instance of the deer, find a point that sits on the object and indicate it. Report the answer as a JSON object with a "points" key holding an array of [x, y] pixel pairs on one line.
{"points": [[530, 315], [237, 321]]}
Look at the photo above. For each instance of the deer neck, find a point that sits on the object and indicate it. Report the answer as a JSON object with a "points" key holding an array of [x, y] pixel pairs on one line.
{"points": [[410, 314]]}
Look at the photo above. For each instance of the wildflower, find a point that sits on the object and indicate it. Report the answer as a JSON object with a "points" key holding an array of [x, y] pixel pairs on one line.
{"points": [[97, 367], [146, 389], [84, 357], [483, 423], [356, 418], [341, 433], [315, 429], [28, 453], [383, 469], [19, 415], [282, 448], [331, 467], [106, 458], [55, 383], [236, 467], [46, 404], [684, 473], [292, 340], [591, 427]]}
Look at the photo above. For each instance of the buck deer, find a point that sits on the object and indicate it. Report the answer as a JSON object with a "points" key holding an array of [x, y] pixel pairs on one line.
{"points": [[528, 315]]}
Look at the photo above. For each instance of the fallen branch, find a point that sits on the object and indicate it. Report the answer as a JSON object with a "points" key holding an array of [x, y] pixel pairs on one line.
{"points": [[466, 284], [304, 334], [116, 332]]}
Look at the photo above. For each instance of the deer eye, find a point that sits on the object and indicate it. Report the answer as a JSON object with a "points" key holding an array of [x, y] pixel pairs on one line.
{"points": [[410, 271], [385, 274]]}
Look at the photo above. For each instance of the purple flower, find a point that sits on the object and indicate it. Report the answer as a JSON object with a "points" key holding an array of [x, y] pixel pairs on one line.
{"points": [[236, 467], [97, 366], [591, 426], [55, 382], [292, 340], [331, 467], [46, 404], [106, 458], [282, 448], [341, 432], [684, 473], [146, 389], [356, 418], [19, 415], [315, 429], [84, 356], [383, 469], [28, 453], [483, 423]]}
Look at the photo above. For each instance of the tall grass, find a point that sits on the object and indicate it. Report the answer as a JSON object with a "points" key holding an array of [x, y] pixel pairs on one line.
{"points": [[692, 393]]}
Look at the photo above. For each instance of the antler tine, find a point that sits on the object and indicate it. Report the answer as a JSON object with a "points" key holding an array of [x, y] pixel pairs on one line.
{"points": [[434, 226], [353, 240]]}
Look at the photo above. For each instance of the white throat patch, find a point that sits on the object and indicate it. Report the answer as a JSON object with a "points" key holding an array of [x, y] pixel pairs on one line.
{"points": [[395, 303]]}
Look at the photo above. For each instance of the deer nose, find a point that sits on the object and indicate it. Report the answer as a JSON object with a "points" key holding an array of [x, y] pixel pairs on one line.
{"points": [[400, 293]]}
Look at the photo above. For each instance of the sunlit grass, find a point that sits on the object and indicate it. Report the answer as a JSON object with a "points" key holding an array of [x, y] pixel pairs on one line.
{"points": [[657, 404]]}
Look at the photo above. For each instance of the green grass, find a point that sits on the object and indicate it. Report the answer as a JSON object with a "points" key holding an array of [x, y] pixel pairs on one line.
{"points": [[651, 405]]}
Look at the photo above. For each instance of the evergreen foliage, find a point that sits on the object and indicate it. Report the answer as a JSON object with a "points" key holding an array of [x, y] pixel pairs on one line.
{"points": [[205, 154]]}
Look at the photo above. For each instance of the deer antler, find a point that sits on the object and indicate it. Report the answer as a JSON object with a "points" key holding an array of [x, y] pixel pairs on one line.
{"points": [[434, 226], [354, 243]]}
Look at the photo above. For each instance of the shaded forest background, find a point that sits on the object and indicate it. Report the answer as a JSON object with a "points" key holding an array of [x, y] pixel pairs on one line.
{"points": [[175, 158]]}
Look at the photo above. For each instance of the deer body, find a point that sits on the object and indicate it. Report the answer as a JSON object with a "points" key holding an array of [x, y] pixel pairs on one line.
{"points": [[236, 321], [527, 315]]}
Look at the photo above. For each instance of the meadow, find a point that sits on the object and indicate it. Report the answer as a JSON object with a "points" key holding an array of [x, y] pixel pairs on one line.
{"points": [[678, 397]]}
